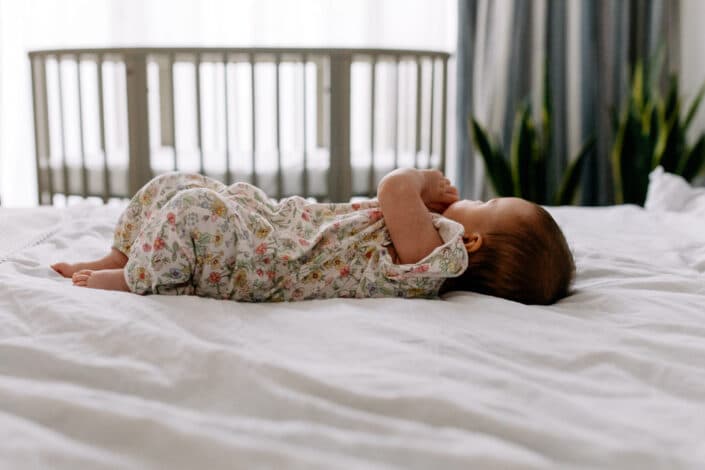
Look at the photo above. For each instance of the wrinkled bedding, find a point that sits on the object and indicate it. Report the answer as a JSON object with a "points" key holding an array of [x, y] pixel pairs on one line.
{"points": [[611, 377]]}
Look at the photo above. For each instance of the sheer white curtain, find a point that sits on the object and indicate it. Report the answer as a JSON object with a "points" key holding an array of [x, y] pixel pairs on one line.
{"points": [[35, 24]]}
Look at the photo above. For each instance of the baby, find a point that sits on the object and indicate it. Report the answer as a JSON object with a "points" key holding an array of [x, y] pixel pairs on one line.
{"points": [[191, 235]]}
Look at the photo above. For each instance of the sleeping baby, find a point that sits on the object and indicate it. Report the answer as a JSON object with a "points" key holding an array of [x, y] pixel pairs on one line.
{"points": [[187, 234]]}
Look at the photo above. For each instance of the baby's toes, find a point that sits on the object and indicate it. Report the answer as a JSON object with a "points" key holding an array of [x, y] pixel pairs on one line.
{"points": [[80, 278], [62, 268]]}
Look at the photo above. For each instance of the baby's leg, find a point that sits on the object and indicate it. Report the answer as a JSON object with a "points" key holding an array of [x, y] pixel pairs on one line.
{"points": [[113, 260], [108, 279], [150, 199], [169, 254]]}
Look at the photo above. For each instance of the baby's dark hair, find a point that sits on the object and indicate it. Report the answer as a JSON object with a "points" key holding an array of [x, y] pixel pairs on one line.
{"points": [[532, 264]]}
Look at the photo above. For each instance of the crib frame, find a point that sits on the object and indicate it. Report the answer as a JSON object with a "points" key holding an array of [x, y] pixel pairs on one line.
{"points": [[333, 66]]}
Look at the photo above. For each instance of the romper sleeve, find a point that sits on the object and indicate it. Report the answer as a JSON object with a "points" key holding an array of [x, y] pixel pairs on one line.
{"points": [[447, 260]]}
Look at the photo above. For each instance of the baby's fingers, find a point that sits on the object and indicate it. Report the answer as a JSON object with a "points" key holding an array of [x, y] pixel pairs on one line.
{"points": [[451, 194], [437, 207]]}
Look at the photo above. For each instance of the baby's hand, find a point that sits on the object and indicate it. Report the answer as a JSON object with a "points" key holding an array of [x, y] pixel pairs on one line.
{"points": [[438, 193]]}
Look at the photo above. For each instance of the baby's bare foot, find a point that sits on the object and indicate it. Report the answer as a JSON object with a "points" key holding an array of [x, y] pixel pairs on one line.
{"points": [[112, 260], [67, 269], [108, 279]]}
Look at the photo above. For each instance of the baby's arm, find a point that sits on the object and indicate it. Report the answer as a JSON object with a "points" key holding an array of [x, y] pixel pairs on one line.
{"points": [[405, 196]]}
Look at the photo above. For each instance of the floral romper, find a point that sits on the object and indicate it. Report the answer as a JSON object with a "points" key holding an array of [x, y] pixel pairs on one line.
{"points": [[189, 234]]}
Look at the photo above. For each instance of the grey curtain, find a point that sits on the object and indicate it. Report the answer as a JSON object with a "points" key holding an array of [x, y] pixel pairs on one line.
{"points": [[588, 47]]}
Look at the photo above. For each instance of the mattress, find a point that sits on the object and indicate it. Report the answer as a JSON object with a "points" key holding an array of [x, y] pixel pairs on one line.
{"points": [[611, 377]]}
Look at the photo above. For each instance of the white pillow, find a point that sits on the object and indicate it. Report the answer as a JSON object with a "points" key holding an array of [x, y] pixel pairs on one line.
{"points": [[669, 192]]}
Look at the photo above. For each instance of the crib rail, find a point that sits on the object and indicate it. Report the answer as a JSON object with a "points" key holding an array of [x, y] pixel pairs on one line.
{"points": [[94, 106]]}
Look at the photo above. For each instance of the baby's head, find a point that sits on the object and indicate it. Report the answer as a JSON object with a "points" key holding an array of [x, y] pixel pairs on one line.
{"points": [[515, 251]]}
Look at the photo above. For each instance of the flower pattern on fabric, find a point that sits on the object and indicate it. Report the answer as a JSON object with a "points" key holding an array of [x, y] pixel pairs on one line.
{"points": [[189, 234]]}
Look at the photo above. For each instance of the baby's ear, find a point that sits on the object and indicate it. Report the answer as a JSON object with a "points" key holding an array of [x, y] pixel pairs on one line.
{"points": [[472, 242]]}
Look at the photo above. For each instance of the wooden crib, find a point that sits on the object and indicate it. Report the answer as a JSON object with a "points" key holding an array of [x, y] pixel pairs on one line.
{"points": [[325, 123]]}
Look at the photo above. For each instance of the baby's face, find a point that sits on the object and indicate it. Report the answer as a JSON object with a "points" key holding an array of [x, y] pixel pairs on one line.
{"points": [[495, 215]]}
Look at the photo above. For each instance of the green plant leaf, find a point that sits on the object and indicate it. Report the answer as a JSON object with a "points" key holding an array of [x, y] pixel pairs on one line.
{"points": [[672, 101], [539, 171], [495, 164], [647, 117], [542, 144], [618, 156], [637, 153], [694, 160], [694, 107], [571, 177], [668, 150], [638, 85], [546, 105], [656, 120], [504, 173], [521, 152], [664, 132], [481, 140]]}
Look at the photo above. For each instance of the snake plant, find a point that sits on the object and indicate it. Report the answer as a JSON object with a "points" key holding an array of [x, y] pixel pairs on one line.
{"points": [[523, 174], [650, 131]]}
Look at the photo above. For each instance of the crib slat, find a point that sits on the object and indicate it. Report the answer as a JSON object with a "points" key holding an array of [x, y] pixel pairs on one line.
{"points": [[172, 108], [280, 181], [101, 119], [444, 99], [339, 170], [228, 172], [417, 148], [253, 177], [139, 164], [199, 124], [37, 132], [304, 175], [65, 168], [84, 171], [373, 85], [42, 143], [166, 139], [430, 135], [50, 170]]}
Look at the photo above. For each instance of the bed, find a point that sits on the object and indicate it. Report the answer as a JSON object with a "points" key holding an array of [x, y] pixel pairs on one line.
{"points": [[611, 377]]}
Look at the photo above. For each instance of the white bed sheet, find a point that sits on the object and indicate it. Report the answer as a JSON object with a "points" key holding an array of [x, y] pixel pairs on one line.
{"points": [[611, 377]]}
